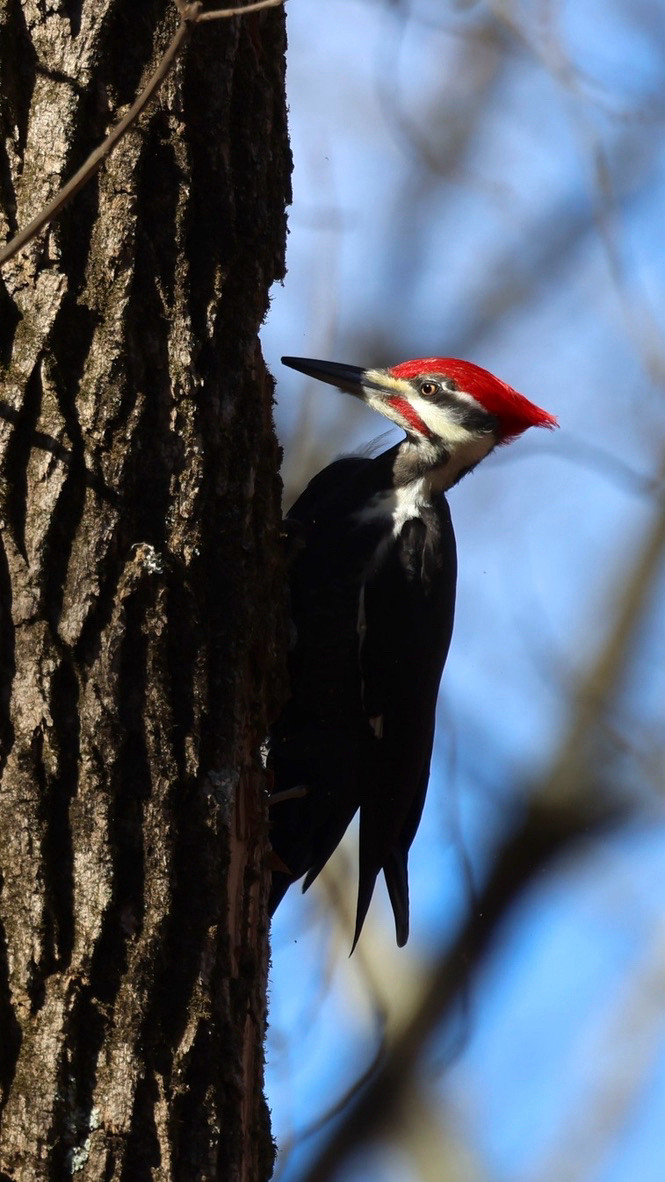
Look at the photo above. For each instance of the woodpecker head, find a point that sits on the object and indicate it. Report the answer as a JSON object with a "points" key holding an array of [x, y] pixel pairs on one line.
{"points": [[454, 412]]}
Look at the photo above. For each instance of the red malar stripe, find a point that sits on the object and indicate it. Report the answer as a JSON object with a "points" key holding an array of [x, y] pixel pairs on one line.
{"points": [[404, 407]]}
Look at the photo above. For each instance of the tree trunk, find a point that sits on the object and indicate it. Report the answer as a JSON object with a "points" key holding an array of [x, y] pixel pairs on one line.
{"points": [[139, 611]]}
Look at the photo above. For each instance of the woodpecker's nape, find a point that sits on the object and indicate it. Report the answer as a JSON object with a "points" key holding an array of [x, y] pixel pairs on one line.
{"points": [[372, 597]]}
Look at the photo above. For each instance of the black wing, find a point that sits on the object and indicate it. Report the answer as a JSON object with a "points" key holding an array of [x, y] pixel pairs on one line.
{"points": [[408, 603], [315, 744], [331, 486]]}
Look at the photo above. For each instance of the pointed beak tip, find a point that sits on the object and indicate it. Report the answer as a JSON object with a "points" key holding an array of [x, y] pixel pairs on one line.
{"points": [[345, 377], [292, 362]]}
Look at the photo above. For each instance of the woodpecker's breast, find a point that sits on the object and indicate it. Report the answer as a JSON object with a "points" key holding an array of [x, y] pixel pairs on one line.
{"points": [[397, 505]]}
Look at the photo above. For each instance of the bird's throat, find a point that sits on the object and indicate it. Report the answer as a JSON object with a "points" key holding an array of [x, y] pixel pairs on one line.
{"points": [[439, 464]]}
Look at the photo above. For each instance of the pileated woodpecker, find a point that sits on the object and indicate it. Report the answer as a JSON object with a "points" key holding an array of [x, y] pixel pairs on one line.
{"points": [[372, 589]]}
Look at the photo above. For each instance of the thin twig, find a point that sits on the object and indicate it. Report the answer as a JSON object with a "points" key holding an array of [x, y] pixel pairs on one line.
{"points": [[190, 14], [222, 14]]}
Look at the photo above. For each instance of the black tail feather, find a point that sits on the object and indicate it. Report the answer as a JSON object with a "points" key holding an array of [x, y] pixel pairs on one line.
{"points": [[366, 885], [397, 880]]}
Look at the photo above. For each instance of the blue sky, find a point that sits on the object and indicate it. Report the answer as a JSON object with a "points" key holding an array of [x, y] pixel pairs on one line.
{"points": [[487, 181]]}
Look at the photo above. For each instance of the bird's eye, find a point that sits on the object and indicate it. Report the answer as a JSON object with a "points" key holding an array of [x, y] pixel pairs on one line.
{"points": [[429, 388]]}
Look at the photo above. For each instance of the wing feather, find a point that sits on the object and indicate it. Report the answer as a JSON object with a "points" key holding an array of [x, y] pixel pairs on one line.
{"points": [[408, 600]]}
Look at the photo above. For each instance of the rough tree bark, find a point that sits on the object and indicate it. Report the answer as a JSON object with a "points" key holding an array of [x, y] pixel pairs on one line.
{"points": [[139, 593]]}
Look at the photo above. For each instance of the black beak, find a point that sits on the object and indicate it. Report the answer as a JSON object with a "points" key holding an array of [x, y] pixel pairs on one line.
{"points": [[346, 377]]}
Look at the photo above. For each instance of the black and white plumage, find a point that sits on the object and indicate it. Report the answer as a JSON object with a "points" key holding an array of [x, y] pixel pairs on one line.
{"points": [[372, 590]]}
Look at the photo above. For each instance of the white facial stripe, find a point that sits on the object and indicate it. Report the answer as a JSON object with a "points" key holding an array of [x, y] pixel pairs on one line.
{"points": [[441, 420], [463, 455], [378, 402], [386, 380], [465, 448], [462, 396]]}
